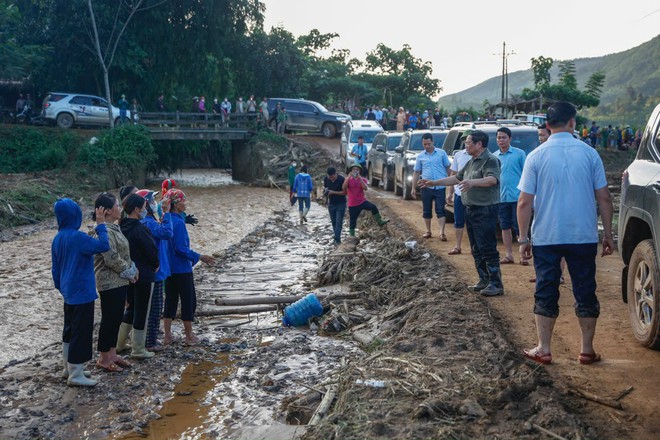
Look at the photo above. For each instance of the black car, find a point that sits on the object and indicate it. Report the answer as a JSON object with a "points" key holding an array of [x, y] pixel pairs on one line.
{"points": [[639, 236], [380, 160], [406, 155], [304, 115]]}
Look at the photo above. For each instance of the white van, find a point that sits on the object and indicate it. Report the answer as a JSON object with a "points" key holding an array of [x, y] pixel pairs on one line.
{"points": [[349, 137]]}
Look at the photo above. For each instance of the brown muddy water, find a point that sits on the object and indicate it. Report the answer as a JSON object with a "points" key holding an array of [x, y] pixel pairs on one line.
{"points": [[231, 386]]}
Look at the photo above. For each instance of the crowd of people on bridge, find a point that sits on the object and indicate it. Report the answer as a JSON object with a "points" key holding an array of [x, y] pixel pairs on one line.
{"points": [[139, 262]]}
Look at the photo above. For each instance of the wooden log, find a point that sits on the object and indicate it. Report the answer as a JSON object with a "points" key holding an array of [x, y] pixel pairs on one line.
{"points": [[594, 398], [283, 299], [624, 393], [548, 432], [324, 407], [236, 310]]}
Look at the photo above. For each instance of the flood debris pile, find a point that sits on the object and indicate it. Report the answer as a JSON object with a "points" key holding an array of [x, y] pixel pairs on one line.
{"points": [[277, 154], [435, 363]]}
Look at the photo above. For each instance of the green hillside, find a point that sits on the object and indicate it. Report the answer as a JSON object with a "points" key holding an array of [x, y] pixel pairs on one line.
{"points": [[630, 92]]}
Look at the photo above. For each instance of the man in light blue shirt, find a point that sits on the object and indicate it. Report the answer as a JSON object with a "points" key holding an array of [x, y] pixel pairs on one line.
{"points": [[431, 164], [359, 152], [513, 160], [562, 181]]}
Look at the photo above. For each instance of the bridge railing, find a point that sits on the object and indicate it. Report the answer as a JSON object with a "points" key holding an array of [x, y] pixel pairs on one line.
{"points": [[197, 121]]}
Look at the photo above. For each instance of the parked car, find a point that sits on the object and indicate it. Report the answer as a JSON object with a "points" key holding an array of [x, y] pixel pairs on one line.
{"points": [[639, 236], [349, 137], [406, 155], [309, 116], [70, 109], [380, 160], [524, 135]]}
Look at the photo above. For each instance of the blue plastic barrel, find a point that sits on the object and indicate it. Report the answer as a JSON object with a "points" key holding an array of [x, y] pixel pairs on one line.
{"points": [[300, 311]]}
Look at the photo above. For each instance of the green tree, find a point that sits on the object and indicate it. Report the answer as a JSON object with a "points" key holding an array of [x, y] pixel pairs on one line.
{"points": [[17, 59], [567, 74], [541, 69], [594, 84]]}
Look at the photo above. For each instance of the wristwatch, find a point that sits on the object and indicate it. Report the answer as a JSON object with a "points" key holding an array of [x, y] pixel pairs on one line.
{"points": [[523, 241]]}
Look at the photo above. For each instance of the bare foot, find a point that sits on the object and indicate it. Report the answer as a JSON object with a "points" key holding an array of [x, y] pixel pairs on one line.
{"points": [[192, 340], [168, 339]]}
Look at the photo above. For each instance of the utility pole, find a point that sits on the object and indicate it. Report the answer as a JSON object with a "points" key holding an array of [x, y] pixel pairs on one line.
{"points": [[505, 75]]}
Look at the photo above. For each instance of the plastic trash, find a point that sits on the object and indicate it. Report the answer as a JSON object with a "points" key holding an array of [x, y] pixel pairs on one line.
{"points": [[371, 383], [300, 311], [411, 244]]}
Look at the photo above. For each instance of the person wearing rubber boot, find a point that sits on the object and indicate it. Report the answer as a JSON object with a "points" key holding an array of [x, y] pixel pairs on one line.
{"points": [[302, 190], [113, 270], [575, 171], [433, 163], [72, 254], [479, 182], [180, 284], [355, 185], [145, 255]]}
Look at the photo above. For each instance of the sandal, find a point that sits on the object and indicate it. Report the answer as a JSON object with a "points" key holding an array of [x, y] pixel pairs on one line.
{"points": [[122, 362], [534, 355], [455, 251], [524, 262], [112, 368], [506, 260], [443, 237], [427, 235], [589, 358]]}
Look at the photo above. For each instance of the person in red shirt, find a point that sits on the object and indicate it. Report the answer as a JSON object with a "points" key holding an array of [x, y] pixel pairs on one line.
{"points": [[355, 186]]}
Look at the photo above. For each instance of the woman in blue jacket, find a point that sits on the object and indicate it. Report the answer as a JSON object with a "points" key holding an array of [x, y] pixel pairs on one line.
{"points": [[162, 233], [72, 255], [145, 255], [180, 284]]}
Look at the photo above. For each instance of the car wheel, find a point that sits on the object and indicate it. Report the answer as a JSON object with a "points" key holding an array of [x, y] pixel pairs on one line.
{"points": [[398, 189], [329, 130], [372, 180], [407, 189], [643, 295], [117, 122], [388, 185], [64, 120]]}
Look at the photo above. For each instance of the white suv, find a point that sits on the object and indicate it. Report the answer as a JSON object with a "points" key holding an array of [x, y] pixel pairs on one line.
{"points": [[349, 137], [69, 109]]}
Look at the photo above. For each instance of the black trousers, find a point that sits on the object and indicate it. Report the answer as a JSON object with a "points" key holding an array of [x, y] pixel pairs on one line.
{"points": [[180, 285], [112, 313], [78, 331], [137, 304]]}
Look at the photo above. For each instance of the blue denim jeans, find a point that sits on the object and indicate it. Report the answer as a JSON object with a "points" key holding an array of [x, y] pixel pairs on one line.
{"points": [[431, 197], [337, 212], [481, 225], [304, 202], [581, 263]]}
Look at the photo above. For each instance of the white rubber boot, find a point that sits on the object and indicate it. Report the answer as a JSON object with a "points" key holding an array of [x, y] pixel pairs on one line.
{"points": [[304, 214], [122, 338], [301, 218], [65, 358], [77, 377], [138, 340]]}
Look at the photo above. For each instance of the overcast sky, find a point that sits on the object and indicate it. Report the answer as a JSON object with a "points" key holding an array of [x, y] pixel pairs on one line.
{"points": [[462, 38]]}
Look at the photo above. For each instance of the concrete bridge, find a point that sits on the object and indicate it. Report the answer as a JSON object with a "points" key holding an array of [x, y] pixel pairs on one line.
{"points": [[236, 128]]}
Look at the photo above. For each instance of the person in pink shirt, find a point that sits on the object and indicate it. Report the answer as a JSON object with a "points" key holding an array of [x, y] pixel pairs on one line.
{"points": [[355, 186]]}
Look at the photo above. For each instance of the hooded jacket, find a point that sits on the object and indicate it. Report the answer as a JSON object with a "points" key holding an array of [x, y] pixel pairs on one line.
{"points": [[143, 249], [162, 234], [303, 185], [182, 258], [72, 254]]}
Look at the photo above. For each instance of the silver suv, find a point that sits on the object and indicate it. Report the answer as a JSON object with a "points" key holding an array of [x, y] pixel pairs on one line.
{"points": [[639, 236], [69, 109]]}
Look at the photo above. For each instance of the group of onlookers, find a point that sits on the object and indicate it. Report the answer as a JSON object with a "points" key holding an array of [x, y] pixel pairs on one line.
{"points": [[621, 138], [138, 249]]}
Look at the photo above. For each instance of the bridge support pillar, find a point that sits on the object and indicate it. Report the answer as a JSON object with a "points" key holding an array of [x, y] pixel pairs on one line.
{"points": [[245, 164]]}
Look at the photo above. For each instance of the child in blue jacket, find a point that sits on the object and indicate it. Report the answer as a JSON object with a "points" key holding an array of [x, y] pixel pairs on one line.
{"points": [[72, 255]]}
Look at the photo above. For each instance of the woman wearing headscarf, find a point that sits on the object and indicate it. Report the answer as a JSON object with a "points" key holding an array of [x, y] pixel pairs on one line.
{"points": [[145, 255], [180, 284], [72, 254], [162, 233], [113, 270]]}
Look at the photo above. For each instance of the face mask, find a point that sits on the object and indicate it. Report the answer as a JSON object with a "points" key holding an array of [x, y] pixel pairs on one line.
{"points": [[293, 164], [143, 213], [153, 206]]}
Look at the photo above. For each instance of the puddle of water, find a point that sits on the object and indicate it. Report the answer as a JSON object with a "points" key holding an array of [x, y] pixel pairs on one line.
{"points": [[186, 415]]}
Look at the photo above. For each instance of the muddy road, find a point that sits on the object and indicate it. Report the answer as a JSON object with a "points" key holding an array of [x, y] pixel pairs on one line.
{"points": [[625, 362], [448, 361]]}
